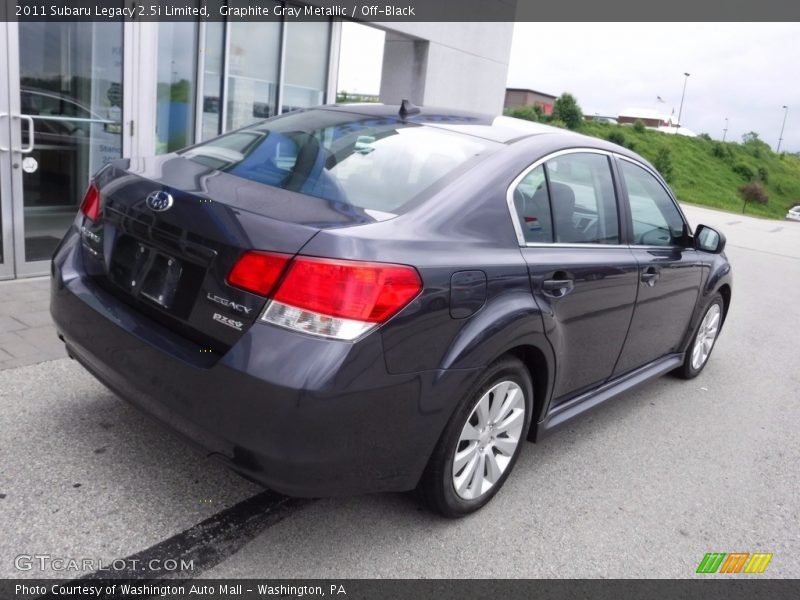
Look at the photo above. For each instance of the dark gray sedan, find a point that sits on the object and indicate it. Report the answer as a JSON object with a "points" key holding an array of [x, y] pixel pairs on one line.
{"points": [[354, 299]]}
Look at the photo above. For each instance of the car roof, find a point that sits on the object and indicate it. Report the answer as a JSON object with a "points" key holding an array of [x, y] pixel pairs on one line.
{"points": [[502, 129]]}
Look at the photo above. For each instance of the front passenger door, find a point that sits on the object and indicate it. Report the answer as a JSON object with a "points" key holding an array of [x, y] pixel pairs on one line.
{"points": [[669, 272]]}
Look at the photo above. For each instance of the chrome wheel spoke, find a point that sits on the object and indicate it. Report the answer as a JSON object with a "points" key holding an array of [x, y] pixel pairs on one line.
{"points": [[476, 485], [511, 400], [499, 401], [463, 457], [506, 446], [493, 470], [462, 481], [469, 433], [511, 421], [482, 411]]}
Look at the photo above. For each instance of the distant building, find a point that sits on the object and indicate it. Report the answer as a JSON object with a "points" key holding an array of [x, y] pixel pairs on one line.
{"points": [[653, 119], [601, 118], [648, 116], [516, 97]]}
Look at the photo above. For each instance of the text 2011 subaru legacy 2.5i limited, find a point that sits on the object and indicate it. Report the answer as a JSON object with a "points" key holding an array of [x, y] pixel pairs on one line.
{"points": [[379, 298]]}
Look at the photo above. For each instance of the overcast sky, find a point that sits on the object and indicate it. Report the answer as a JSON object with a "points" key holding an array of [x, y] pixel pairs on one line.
{"points": [[742, 71], [360, 59]]}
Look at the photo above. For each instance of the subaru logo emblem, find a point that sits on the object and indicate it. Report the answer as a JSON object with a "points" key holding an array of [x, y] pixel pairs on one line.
{"points": [[159, 201]]}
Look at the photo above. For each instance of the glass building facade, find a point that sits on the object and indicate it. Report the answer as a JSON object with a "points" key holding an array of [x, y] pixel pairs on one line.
{"points": [[75, 95]]}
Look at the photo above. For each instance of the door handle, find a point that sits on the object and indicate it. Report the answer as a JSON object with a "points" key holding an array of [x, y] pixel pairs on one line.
{"points": [[650, 276], [3, 148], [557, 287], [29, 148]]}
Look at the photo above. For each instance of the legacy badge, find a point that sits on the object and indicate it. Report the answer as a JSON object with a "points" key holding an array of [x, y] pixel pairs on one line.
{"points": [[229, 303]]}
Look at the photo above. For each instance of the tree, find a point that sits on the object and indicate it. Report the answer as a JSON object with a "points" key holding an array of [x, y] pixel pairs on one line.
{"points": [[750, 137], [566, 109]]}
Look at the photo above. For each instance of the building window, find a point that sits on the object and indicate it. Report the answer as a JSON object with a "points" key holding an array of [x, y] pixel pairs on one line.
{"points": [[305, 77], [176, 92], [213, 67], [244, 76], [253, 54]]}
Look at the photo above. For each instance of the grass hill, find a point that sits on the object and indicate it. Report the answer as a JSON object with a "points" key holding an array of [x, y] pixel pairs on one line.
{"points": [[707, 172]]}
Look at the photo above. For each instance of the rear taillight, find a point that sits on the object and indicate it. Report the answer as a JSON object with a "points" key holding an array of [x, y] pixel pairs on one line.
{"points": [[90, 207], [258, 272], [340, 299]]}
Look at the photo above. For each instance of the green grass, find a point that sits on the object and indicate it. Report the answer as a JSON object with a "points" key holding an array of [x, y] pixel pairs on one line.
{"points": [[701, 177]]}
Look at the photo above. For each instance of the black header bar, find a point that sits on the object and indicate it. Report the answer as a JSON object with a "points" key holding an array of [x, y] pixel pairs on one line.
{"points": [[402, 10]]}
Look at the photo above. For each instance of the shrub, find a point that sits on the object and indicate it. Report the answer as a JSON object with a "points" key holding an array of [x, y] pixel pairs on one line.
{"points": [[705, 136], [558, 123], [638, 126], [663, 163], [616, 137], [566, 109], [720, 150], [753, 192], [755, 145], [529, 113], [744, 171], [763, 174]]}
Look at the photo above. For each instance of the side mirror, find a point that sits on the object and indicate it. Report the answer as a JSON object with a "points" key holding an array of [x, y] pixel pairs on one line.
{"points": [[709, 239]]}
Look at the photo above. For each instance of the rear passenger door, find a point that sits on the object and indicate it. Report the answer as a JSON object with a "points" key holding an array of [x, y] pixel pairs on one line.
{"points": [[670, 269], [583, 278]]}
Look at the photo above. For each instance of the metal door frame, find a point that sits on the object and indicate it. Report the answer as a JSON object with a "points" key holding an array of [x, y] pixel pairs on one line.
{"points": [[6, 192], [11, 123]]}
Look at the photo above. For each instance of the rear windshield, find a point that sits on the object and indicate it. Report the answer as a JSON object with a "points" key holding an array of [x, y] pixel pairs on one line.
{"points": [[376, 163]]}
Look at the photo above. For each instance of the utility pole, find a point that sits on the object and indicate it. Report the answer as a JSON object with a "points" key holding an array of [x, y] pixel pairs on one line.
{"points": [[680, 110], [780, 137], [725, 131]]}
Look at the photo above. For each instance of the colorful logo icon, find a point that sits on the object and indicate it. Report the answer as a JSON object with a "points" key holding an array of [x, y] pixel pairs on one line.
{"points": [[734, 562]]}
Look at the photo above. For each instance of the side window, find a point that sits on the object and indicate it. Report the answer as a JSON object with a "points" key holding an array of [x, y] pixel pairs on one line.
{"points": [[583, 202], [532, 204], [656, 219]]}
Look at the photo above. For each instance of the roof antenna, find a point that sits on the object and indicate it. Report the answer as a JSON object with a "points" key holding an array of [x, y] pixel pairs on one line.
{"points": [[408, 108]]}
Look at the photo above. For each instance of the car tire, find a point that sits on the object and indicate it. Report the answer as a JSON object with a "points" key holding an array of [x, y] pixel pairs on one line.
{"points": [[703, 340], [482, 441]]}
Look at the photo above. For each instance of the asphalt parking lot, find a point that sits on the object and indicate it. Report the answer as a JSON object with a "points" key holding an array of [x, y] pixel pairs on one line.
{"points": [[643, 487]]}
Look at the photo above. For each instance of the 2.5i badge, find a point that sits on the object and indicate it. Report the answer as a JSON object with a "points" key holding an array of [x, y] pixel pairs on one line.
{"points": [[228, 321]]}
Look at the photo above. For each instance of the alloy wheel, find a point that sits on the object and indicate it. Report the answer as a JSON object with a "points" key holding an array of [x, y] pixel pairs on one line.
{"points": [[706, 336], [488, 440]]}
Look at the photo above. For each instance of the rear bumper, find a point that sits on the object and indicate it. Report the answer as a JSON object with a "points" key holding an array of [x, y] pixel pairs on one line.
{"points": [[303, 416]]}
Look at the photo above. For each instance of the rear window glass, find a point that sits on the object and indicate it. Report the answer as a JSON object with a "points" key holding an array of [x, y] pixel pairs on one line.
{"points": [[376, 163]]}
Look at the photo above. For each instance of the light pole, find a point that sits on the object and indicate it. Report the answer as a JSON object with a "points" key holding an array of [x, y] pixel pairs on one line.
{"points": [[780, 137], [680, 110], [725, 131]]}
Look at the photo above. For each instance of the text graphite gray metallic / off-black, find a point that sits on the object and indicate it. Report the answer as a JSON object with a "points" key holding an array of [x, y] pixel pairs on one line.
{"points": [[353, 299]]}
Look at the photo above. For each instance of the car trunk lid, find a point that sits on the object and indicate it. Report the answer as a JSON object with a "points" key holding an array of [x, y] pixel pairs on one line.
{"points": [[172, 264]]}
